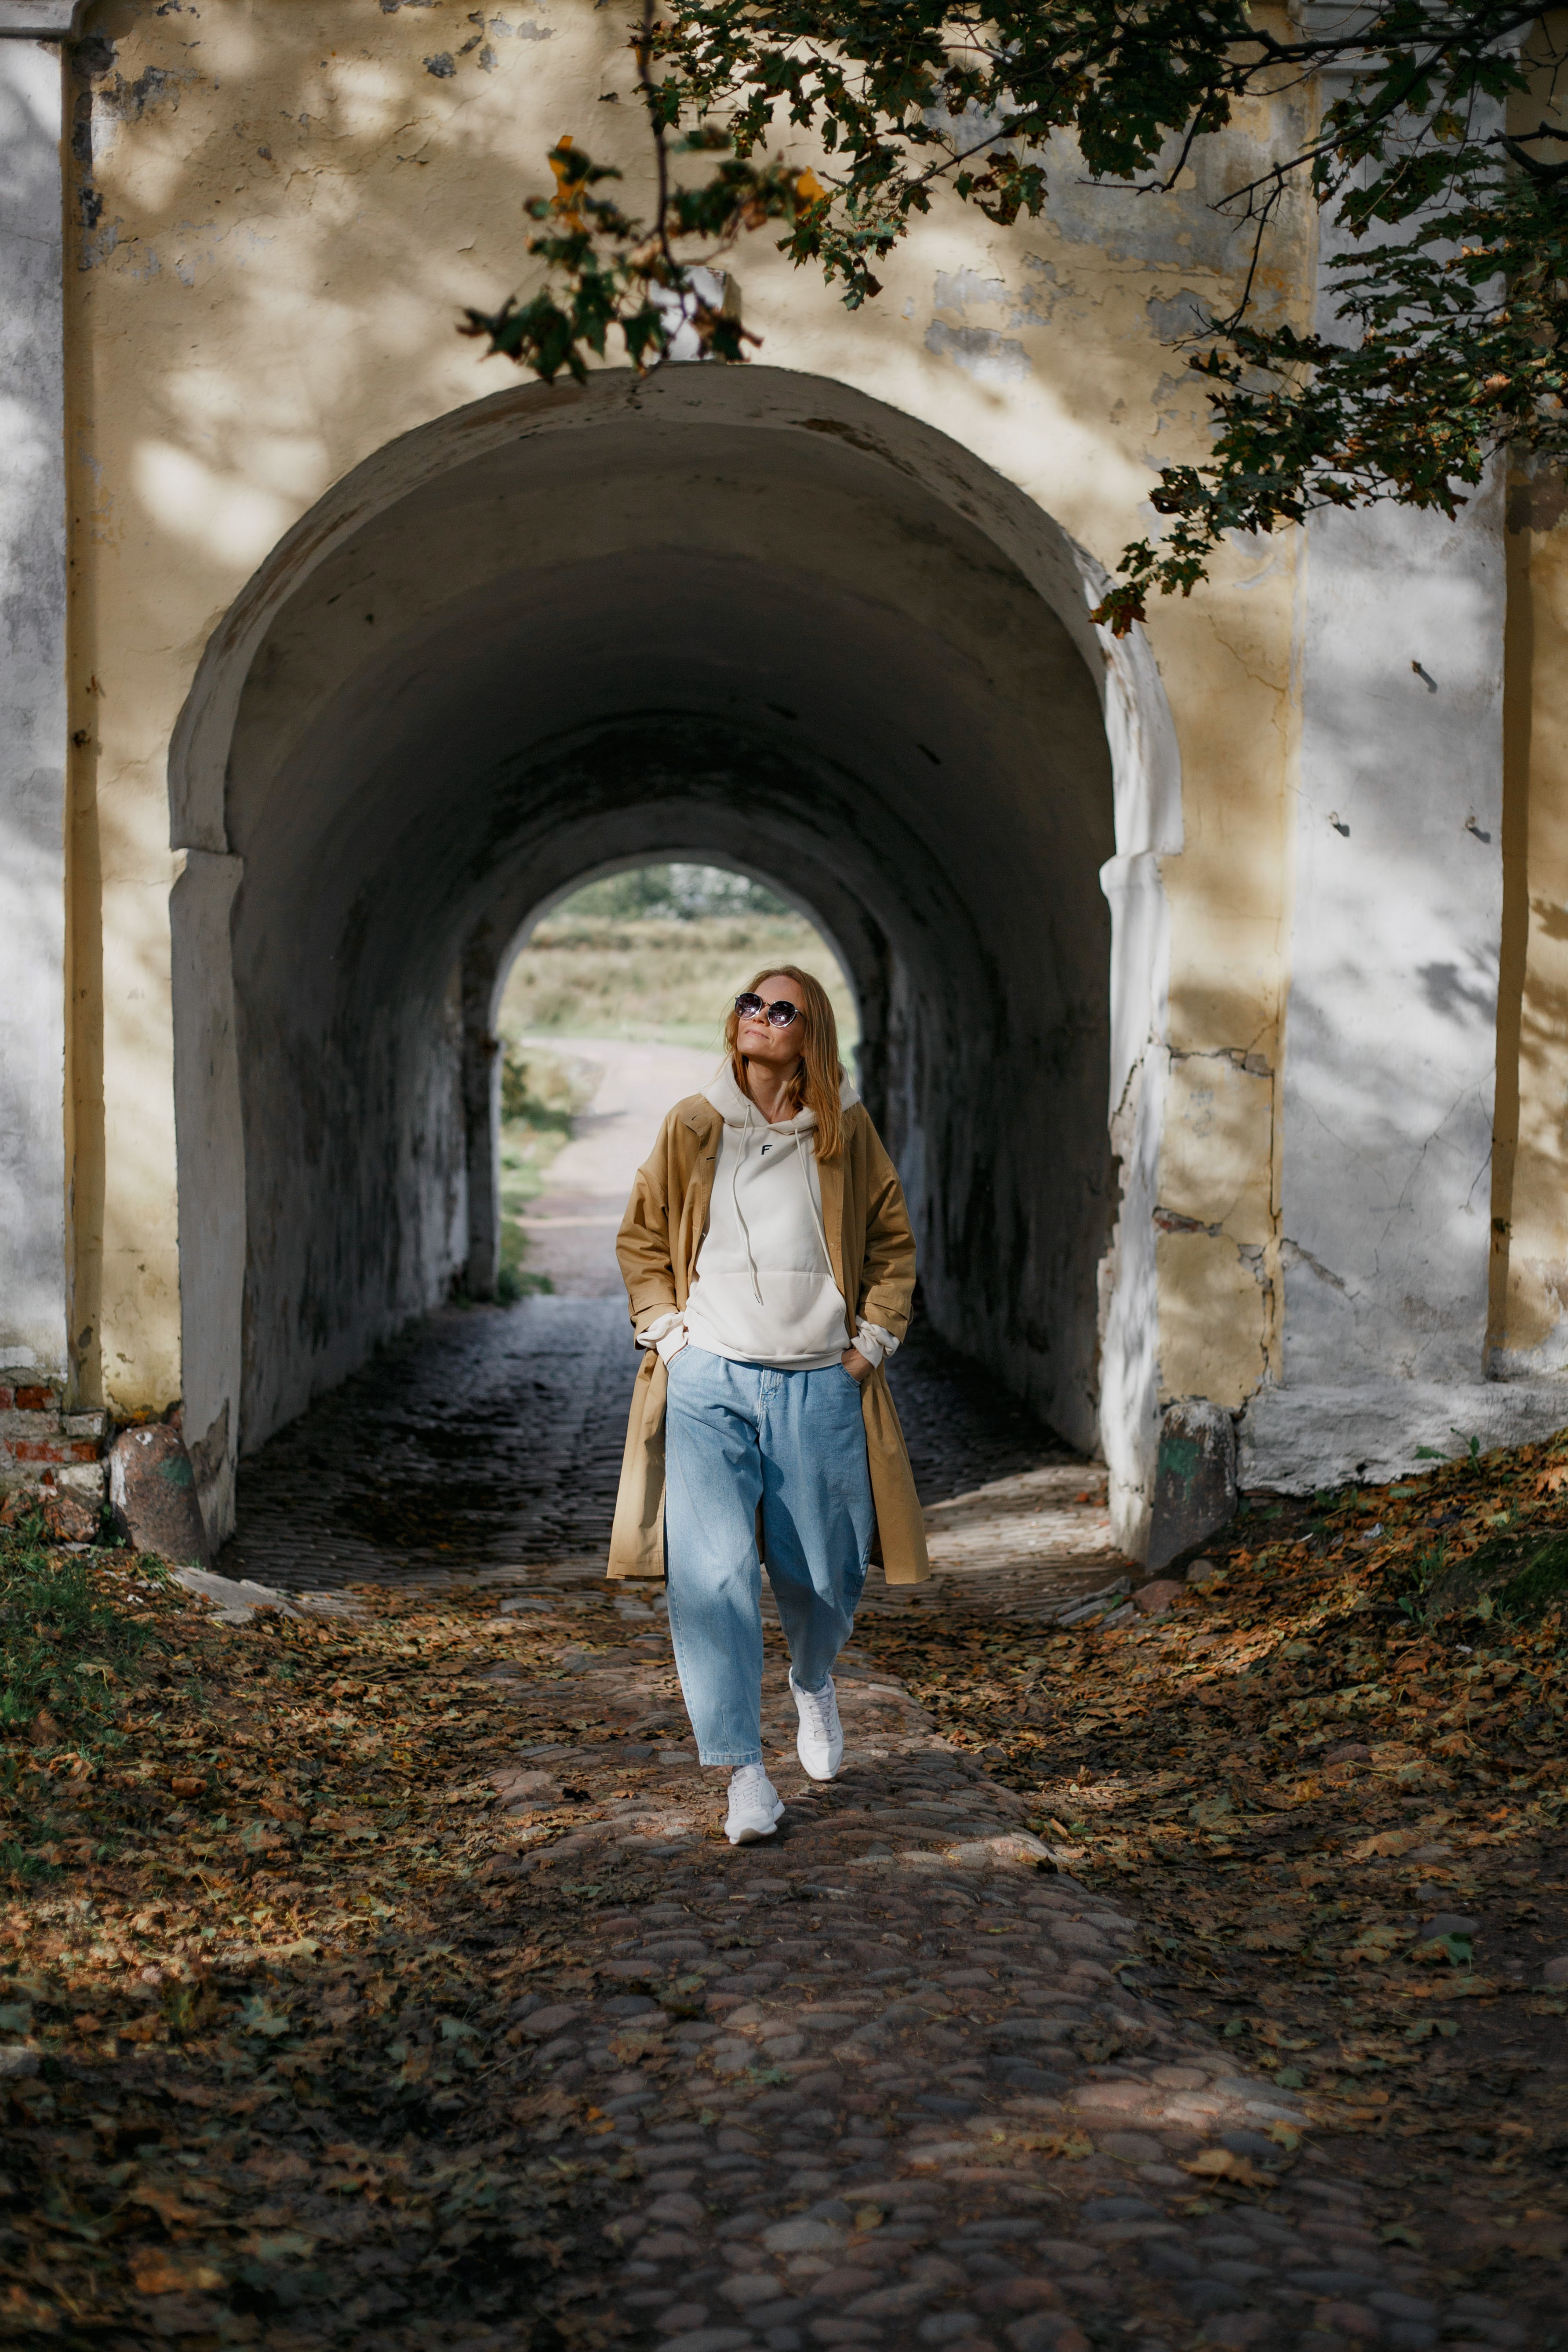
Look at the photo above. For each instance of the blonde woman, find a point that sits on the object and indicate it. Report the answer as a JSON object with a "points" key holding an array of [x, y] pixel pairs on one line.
{"points": [[769, 1262]]}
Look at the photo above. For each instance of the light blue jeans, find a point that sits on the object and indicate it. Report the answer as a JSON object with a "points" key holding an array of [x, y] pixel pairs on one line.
{"points": [[737, 1434]]}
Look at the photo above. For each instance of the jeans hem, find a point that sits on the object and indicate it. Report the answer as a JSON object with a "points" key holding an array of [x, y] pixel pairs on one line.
{"points": [[733, 1760]]}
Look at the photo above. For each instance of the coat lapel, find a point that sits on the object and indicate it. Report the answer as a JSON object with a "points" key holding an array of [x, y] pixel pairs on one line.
{"points": [[830, 1176], [695, 1192]]}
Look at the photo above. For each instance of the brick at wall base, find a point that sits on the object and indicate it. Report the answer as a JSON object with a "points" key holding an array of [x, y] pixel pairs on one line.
{"points": [[42, 1445]]}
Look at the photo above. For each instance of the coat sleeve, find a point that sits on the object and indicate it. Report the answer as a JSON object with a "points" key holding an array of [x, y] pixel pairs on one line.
{"points": [[643, 1244], [887, 1269]]}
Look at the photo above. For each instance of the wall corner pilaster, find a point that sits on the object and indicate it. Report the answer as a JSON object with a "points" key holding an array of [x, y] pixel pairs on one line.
{"points": [[33, 715]]}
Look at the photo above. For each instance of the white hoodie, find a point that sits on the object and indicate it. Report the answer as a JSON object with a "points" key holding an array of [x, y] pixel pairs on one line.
{"points": [[765, 1291]]}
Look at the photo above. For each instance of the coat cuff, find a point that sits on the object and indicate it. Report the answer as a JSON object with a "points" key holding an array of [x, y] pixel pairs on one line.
{"points": [[665, 1335], [874, 1342]]}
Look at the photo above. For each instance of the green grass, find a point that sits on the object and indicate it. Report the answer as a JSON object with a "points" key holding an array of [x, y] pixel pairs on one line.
{"points": [[1533, 1572], [1518, 1572], [63, 1647], [66, 1655], [668, 981], [541, 1095]]}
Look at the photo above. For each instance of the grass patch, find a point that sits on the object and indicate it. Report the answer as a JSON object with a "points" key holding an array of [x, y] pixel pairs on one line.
{"points": [[1514, 1575], [541, 1093], [65, 1649], [66, 1654], [670, 983]]}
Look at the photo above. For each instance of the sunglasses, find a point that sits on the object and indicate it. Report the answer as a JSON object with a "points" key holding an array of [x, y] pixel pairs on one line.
{"points": [[778, 1015]]}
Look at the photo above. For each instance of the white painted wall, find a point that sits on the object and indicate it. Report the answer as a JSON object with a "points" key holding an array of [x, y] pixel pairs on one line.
{"points": [[212, 1175], [33, 1304], [1391, 1028], [1147, 770], [1389, 1073]]}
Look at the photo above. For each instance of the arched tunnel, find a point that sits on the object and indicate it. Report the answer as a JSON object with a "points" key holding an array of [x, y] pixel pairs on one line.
{"points": [[756, 620]]}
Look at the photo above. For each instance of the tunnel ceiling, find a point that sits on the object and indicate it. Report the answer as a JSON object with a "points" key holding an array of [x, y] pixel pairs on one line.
{"points": [[418, 724]]}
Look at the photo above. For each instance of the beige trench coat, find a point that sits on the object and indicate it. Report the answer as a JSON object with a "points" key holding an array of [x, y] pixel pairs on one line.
{"points": [[873, 1254]]}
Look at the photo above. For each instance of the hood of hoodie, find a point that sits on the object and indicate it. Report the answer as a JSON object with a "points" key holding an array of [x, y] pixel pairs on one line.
{"points": [[738, 1109]]}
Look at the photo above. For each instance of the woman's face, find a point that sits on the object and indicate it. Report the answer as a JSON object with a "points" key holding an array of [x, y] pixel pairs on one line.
{"points": [[759, 1041]]}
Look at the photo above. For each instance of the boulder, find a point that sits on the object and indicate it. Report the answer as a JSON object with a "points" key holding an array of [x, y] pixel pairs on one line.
{"points": [[1195, 1478], [152, 1492]]}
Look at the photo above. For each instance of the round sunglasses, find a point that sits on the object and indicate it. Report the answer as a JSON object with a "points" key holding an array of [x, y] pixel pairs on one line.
{"points": [[779, 1014]]}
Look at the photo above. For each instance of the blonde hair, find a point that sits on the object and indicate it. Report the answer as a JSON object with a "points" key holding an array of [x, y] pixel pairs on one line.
{"points": [[815, 1084]]}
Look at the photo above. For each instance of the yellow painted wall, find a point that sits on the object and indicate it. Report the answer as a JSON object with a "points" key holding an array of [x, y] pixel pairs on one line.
{"points": [[281, 210], [1528, 1330], [1530, 1292]]}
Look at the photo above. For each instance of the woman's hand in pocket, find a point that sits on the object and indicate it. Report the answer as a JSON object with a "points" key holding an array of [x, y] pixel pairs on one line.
{"points": [[855, 1364]]}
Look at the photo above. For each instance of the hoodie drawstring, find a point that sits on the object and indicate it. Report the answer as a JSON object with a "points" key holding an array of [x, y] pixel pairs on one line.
{"points": [[740, 1213]]}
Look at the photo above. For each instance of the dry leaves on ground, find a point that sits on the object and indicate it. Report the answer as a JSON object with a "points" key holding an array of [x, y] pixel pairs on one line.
{"points": [[258, 2018], [1332, 1784], [257, 2027]]}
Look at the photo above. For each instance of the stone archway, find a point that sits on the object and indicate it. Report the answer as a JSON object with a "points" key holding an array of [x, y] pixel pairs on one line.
{"points": [[749, 614]]}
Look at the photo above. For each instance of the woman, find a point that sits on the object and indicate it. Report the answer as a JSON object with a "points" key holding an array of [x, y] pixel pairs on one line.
{"points": [[768, 1258]]}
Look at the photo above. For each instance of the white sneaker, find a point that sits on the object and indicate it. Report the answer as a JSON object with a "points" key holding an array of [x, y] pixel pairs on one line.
{"points": [[756, 1808], [819, 1743]]}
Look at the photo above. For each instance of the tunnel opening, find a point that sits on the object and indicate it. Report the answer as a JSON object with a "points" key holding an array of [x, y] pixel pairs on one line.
{"points": [[753, 619], [609, 1008]]}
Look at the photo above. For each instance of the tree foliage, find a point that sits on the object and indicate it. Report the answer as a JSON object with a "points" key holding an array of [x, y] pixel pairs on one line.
{"points": [[1426, 130]]}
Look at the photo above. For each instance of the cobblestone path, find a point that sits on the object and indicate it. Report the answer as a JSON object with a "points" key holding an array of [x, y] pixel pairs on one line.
{"points": [[882, 2081], [494, 1435], [889, 2079]]}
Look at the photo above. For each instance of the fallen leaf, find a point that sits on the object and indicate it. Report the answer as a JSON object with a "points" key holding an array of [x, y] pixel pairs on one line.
{"points": [[1387, 1842], [158, 2271], [165, 2203]]}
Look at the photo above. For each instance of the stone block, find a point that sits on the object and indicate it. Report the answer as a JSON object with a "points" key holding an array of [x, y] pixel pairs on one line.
{"points": [[152, 1488], [1154, 1600], [89, 1478], [1195, 1478]]}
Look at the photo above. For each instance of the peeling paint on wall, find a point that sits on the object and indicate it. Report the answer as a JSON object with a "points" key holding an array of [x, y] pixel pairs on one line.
{"points": [[982, 353]]}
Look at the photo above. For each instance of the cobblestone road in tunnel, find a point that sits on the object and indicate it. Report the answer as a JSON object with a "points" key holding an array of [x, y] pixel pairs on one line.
{"points": [[492, 1436]]}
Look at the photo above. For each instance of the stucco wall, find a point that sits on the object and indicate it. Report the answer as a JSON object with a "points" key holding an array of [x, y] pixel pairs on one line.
{"points": [[33, 1290], [277, 217]]}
